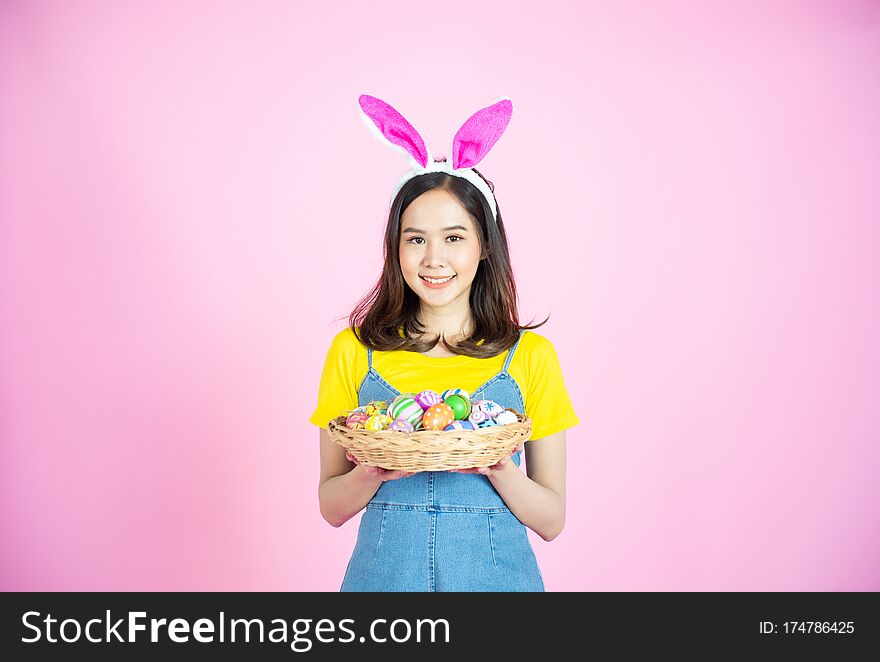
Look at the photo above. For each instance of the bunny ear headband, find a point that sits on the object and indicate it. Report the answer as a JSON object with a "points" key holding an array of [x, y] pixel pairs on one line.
{"points": [[471, 143]]}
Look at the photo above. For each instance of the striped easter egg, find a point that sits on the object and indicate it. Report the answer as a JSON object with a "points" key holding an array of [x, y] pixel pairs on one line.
{"points": [[401, 396], [428, 398], [355, 420], [406, 409], [394, 405]]}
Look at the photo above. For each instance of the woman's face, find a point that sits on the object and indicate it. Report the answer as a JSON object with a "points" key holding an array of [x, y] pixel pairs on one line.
{"points": [[438, 239]]}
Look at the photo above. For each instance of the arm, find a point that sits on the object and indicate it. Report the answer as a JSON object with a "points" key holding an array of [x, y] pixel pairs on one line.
{"points": [[345, 487], [537, 499]]}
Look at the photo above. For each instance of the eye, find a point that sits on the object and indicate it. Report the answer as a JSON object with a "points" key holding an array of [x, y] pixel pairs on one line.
{"points": [[454, 236]]}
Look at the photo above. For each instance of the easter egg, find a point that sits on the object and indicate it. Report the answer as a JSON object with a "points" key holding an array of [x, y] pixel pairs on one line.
{"points": [[428, 398], [438, 416], [460, 425], [355, 420], [488, 423], [377, 422], [477, 416], [491, 408], [406, 409], [398, 399], [455, 391], [376, 407], [460, 405], [401, 425], [506, 417]]}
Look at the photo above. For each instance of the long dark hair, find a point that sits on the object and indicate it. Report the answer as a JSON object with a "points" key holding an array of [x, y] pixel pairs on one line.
{"points": [[392, 304]]}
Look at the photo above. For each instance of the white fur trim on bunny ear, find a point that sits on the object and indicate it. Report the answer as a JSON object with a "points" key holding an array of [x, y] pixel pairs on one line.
{"points": [[386, 123]]}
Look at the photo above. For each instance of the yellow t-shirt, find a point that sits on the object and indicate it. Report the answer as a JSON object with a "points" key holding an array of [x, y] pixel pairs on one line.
{"points": [[534, 366]]}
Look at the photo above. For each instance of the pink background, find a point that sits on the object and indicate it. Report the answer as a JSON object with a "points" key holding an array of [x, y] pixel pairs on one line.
{"points": [[189, 201]]}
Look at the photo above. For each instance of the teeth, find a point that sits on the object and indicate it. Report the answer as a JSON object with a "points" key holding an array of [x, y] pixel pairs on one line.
{"points": [[437, 280]]}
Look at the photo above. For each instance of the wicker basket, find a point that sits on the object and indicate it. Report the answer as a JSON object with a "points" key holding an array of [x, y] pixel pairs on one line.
{"points": [[432, 450]]}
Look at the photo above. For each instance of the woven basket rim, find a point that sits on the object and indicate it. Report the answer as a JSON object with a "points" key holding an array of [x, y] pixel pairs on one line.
{"points": [[432, 450]]}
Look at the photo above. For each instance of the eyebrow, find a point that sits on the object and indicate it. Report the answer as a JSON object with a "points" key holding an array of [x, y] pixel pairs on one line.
{"points": [[451, 227]]}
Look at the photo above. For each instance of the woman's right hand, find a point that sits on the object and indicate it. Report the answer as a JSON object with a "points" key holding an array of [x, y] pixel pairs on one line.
{"points": [[378, 472]]}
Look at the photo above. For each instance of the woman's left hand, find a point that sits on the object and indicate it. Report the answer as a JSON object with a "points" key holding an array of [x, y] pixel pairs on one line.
{"points": [[488, 471]]}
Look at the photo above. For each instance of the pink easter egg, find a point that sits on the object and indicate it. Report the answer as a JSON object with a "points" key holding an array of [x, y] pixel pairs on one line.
{"points": [[428, 398]]}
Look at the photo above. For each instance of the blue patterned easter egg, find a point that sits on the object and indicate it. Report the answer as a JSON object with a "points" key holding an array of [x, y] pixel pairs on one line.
{"points": [[477, 416], [460, 425], [488, 423], [491, 408]]}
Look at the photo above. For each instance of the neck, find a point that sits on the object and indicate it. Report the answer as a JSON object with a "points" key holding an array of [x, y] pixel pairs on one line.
{"points": [[453, 323]]}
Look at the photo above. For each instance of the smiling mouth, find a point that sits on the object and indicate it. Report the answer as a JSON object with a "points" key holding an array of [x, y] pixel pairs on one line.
{"points": [[437, 281]]}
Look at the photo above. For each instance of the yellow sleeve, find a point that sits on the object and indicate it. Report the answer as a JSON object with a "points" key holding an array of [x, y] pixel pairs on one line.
{"points": [[547, 401], [340, 379]]}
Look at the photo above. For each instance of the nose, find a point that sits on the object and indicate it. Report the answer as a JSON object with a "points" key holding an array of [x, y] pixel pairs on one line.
{"points": [[435, 255]]}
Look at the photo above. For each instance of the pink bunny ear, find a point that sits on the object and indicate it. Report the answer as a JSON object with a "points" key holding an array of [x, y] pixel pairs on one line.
{"points": [[482, 130], [391, 128]]}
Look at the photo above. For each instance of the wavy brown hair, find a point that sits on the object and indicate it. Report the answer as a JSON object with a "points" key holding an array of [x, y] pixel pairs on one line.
{"points": [[392, 304]]}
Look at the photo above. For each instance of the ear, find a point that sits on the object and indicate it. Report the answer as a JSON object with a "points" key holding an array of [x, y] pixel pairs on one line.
{"points": [[482, 130], [391, 128]]}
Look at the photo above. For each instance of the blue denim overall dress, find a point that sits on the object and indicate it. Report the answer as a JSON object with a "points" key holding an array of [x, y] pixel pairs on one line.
{"points": [[439, 530]]}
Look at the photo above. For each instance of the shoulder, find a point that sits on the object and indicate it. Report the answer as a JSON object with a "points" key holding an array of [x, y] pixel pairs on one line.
{"points": [[534, 344], [537, 357], [346, 342]]}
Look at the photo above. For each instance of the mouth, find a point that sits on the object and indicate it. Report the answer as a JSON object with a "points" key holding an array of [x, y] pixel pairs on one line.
{"points": [[437, 282]]}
